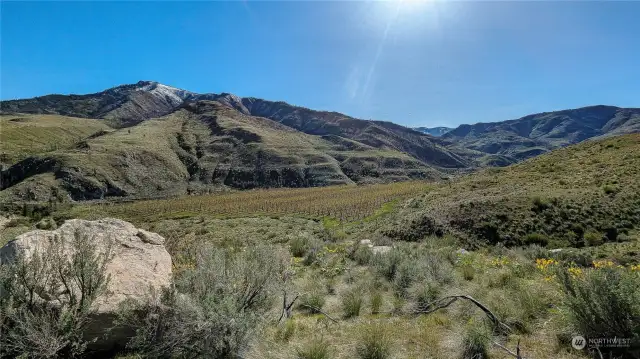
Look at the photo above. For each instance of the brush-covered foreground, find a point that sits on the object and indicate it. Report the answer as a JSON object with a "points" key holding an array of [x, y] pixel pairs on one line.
{"points": [[348, 299]]}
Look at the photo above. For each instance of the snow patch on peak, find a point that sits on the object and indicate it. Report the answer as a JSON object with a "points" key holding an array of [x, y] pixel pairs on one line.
{"points": [[173, 95]]}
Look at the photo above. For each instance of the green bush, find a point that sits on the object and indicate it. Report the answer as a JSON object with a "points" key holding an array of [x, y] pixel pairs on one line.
{"points": [[476, 342], [316, 349], [536, 238], [362, 255], [299, 245], [540, 204], [593, 238], [609, 189], [408, 272], [375, 343], [312, 301], [468, 272], [387, 264], [352, 303], [215, 308], [423, 294], [603, 302], [285, 332], [376, 302]]}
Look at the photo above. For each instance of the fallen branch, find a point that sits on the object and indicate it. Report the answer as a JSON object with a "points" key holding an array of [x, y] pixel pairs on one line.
{"points": [[319, 311], [515, 355], [447, 301]]}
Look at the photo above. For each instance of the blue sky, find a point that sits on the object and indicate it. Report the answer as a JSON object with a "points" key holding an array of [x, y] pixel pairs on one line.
{"points": [[415, 63]]}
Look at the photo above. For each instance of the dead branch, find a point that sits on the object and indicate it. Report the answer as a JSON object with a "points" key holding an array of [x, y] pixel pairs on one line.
{"points": [[515, 355], [319, 311], [286, 308], [447, 301]]}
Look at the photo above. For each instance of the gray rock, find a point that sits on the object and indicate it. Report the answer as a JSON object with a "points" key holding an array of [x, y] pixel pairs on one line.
{"points": [[366, 242], [381, 249]]}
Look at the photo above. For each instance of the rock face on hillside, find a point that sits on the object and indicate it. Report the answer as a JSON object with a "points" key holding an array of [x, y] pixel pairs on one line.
{"points": [[140, 263]]}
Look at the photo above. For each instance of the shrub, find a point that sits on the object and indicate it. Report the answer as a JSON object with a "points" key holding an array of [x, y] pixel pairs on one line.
{"points": [[408, 271], [438, 268], [536, 238], [603, 302], [424, 294], [362, 255], [285, 332], [387, 264], [316, 349], [30, 324], [375, 343], [46, 224], [609, 189], [352, 303], [468, 272], [593, 238], [214, 309], [376, 302], [540, 204], [476, 341], [312, 301], [299, 245]]}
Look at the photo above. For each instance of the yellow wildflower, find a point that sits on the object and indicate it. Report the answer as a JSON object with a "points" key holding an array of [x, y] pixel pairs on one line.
{"points": [[543, 263], [500, 261], [603, 264], [575, 271]]}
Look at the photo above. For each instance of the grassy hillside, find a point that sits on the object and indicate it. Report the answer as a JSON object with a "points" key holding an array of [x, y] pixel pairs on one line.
{"points": [[25, 135], [204, 146], [580, 195]]}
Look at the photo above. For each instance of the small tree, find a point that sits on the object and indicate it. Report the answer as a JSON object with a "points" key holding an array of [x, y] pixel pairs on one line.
{"points": [[46, 297], [213, 309]]}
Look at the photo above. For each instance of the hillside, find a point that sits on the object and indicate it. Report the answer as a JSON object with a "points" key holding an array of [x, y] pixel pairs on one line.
{"points": [[127, 105], [23, 136], [532, 135], [203, 146], [581, 195]]}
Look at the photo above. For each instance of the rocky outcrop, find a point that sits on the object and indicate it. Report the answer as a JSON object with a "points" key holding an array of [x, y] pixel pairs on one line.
{"points": [[139, 263]]}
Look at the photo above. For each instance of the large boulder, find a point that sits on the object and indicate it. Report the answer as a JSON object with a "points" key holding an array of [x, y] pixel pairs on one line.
{"points": [[139, 263]]}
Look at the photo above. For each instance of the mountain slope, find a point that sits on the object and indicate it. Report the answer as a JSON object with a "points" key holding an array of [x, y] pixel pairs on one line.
{"points": [[433, 131], [532, 135], [377, 134], [589, 191], [124, 105], [129, 104], [202, 146]]}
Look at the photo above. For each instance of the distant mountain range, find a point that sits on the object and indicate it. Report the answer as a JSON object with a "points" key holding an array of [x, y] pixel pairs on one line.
{"points": [[535, 134], [148, 140], [433, 131]]}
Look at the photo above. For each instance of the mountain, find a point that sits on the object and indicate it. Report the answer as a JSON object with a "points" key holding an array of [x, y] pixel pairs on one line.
{"points": [[433, 131], [533, 135], [150, 140]]}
